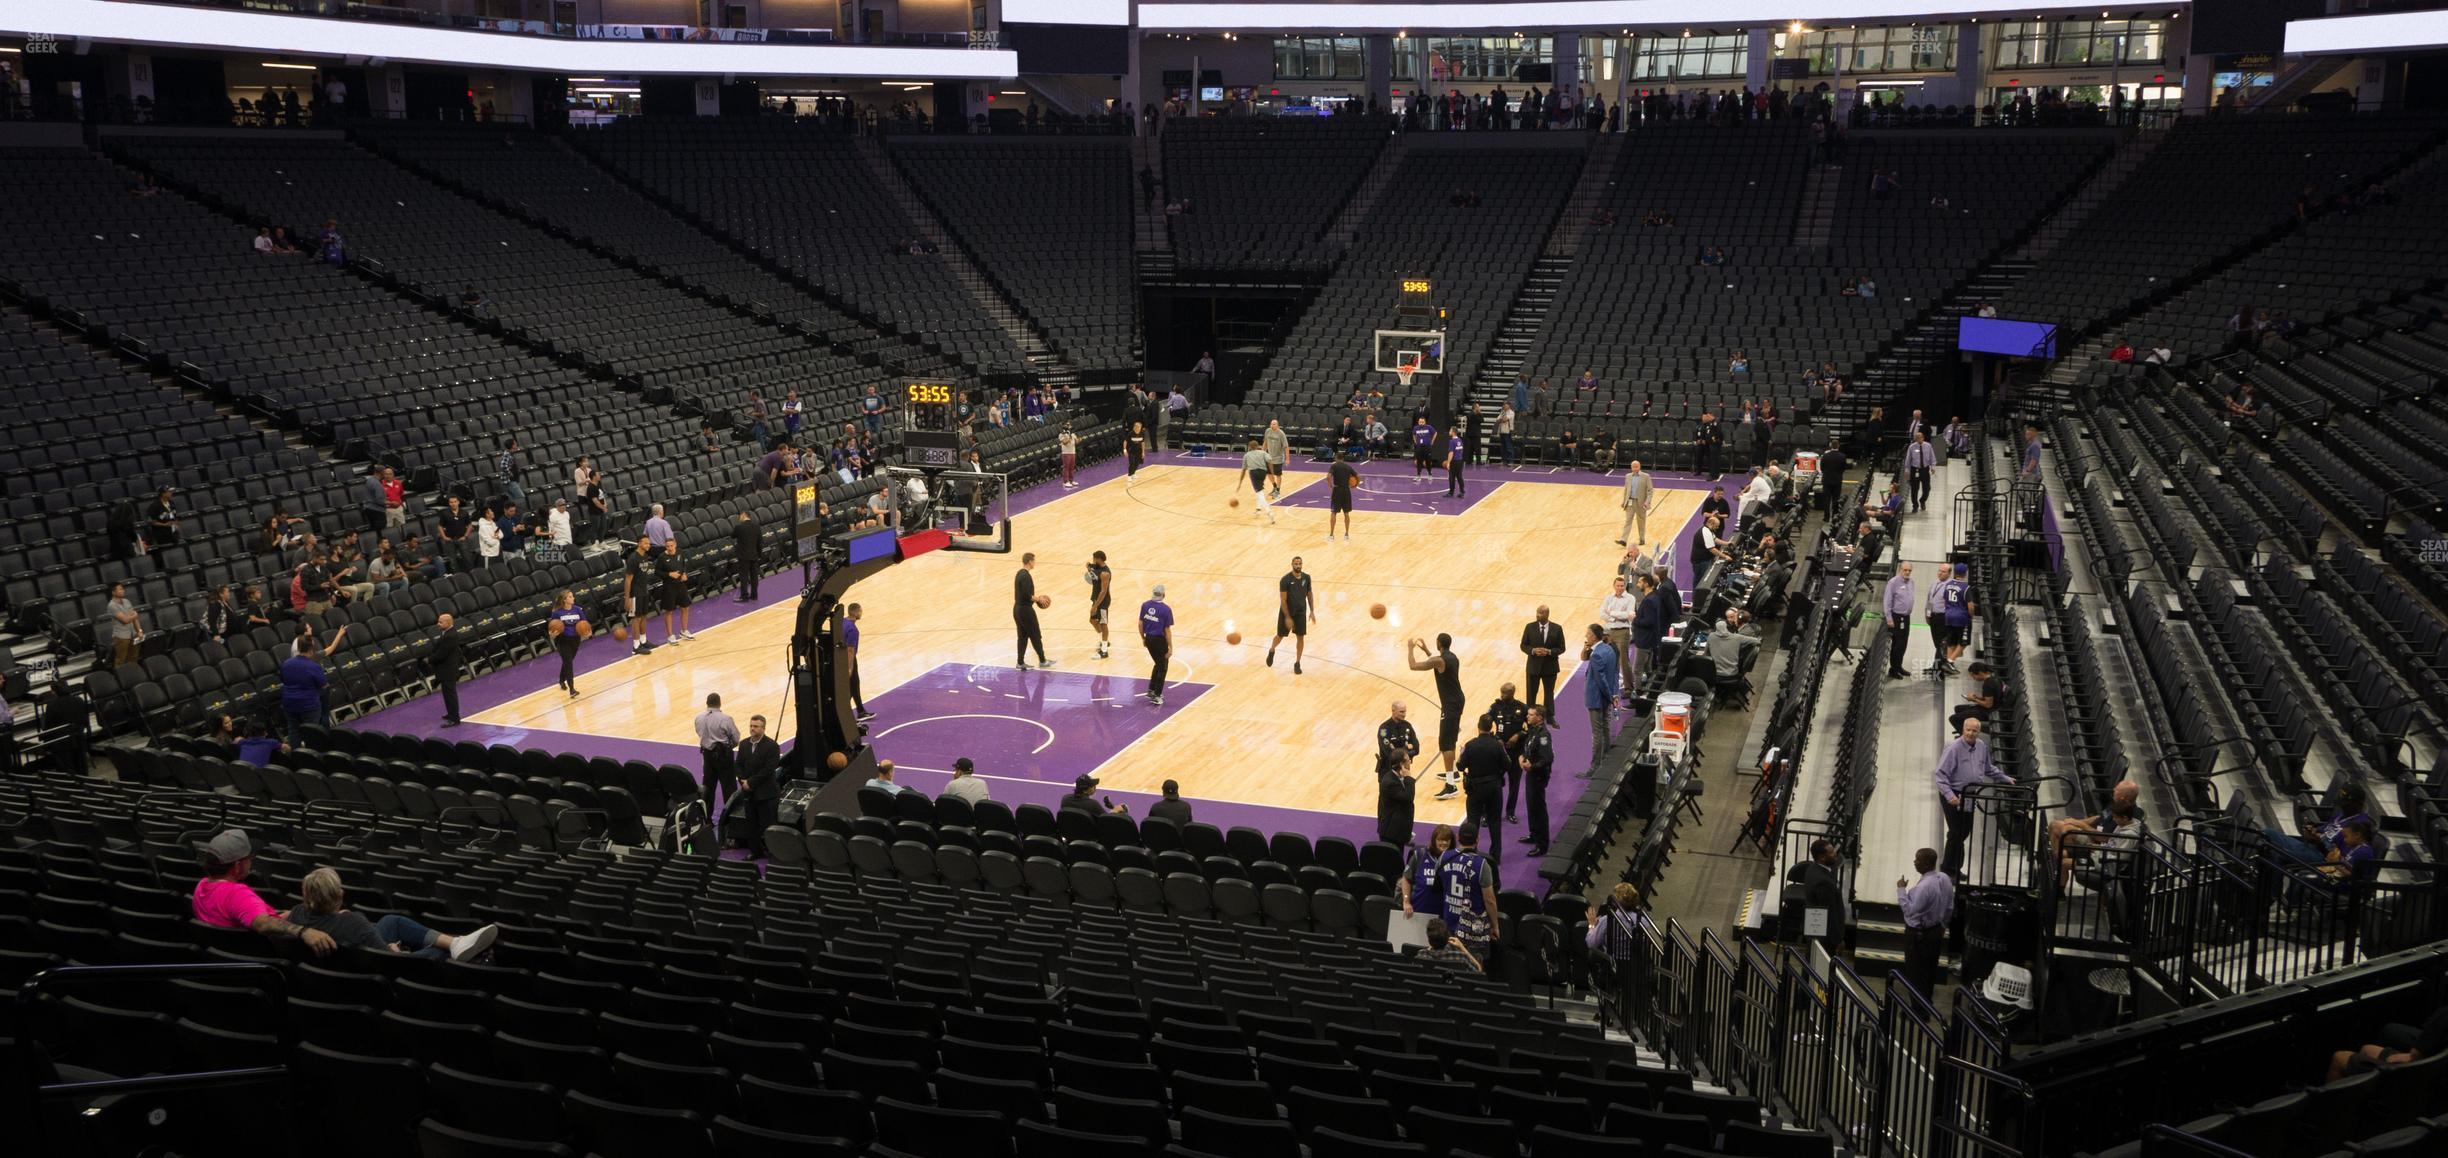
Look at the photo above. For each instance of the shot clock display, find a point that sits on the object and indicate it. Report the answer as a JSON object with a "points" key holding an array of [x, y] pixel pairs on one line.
{"points": [[930, 404]]}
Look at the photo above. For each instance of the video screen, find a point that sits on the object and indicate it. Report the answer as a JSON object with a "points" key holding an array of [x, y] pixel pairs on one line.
{"points": [[2006, 336]]}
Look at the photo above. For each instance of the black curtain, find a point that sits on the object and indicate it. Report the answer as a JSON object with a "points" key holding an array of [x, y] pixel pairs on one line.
{"points": [[668, 96], [951, 110], [551, 101], [437, 96], [741, 100], [189, 91]]}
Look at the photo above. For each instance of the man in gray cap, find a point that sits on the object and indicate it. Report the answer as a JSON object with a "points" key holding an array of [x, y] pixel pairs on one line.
{"points": [[1156, 631], [223, 899]]}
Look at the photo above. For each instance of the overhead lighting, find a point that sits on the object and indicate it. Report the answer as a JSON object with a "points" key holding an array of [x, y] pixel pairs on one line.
{"points": [[1014, 92], [4, 48], [281, 64], [583, 79]]}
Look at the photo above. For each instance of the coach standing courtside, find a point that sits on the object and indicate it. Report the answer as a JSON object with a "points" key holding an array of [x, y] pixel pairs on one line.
{"points": [[1929, 905], [1600, 675], [442, 659], [1541, 642], [716, 737], [1024, 611], [1617, 612], [759, 761], [747, 549], [1156, 631], [1639, 494]]}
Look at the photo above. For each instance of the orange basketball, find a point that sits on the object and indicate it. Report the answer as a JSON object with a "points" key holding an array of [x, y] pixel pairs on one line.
{"points": [[1232, 503], [585, 629], [836, 762], [1376, 610], [1233, 637], [1044, 601], [619, 632]]}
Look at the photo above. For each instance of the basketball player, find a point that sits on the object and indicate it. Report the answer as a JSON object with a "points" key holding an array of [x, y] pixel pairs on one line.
{"points": [[675, 593], [1134, 453], [1294, 603], [1449, 703], [562, 626], [1156, 631], [1342, 479], [641, 575], [1254, 464], [1100, 602], [1024, 611], [1278, 452], [1453, 461]]}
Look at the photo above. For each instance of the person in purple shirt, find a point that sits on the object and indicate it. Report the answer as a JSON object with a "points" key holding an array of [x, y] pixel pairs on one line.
{"points": [[301, 697], [850, 643], [1156, 631], [1896, 606], [1964, 763], [2355, 858], [1422, 436], [1929, 906], [1920, 459], [2316, 841]]}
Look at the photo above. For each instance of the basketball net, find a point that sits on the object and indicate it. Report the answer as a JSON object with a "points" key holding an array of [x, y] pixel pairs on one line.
{"points": [[1404, 368]]}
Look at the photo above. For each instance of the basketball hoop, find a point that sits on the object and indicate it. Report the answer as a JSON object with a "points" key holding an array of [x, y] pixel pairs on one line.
{"points": [[1406, 364]]}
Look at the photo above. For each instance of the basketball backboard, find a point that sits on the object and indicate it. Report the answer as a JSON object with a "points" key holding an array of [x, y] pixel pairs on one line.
{"points": [[1428, 345]]}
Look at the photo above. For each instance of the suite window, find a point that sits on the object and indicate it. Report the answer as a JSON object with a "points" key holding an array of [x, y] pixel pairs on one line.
{"points": [[1899, 48], [1672, 57], [1320, 58]]}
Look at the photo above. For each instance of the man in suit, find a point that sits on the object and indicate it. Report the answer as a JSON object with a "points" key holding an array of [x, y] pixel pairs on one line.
{"points": [[1822, 888], [1542, 640], [1649, 623], [1639, 494], [747, 543], [1831, 478], [442, 659], [759, 761]]}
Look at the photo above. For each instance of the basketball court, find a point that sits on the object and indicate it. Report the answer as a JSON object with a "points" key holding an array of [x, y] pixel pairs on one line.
{"points": [[1249, 743]]}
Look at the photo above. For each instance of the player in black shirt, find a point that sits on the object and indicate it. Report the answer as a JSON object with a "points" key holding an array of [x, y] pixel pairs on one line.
{"points": [[1024, 611], [636, 602], [1100, 602], [1449, 702], [1343, 478], [1293, 605]]}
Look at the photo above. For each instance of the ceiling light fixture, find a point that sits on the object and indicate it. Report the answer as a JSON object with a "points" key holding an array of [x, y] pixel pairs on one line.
{"points": [[284, 64]]}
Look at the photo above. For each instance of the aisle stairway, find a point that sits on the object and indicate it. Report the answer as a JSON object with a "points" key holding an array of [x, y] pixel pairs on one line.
{"points": [[1523, 319], [1152, 237], [1045, 362]]}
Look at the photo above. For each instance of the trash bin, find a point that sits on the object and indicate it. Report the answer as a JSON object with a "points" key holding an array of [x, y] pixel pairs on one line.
{"points": [[1998, 926]]}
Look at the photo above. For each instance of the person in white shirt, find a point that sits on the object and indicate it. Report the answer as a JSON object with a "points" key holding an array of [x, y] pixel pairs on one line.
{"points": [[558, 522], [1615, 612], [1758, 490], [2159, 355], [488, 539], [263, 242]]}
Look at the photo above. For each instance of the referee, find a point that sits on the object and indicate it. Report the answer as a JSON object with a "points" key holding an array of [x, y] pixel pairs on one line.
{"points": [[1024, 611], [1293, 604]]}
